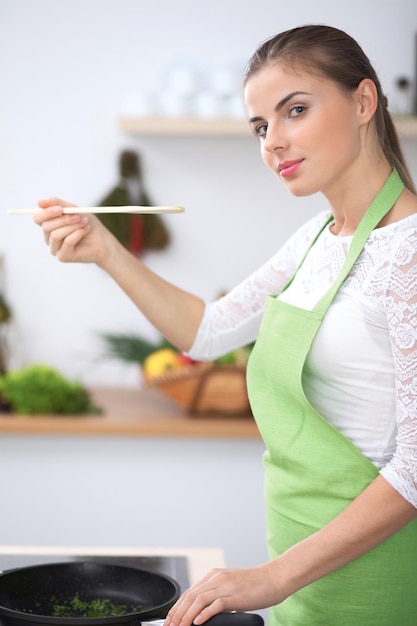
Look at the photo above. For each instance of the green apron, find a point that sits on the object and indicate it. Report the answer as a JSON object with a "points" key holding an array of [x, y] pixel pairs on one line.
{"points": [[312, 471]]}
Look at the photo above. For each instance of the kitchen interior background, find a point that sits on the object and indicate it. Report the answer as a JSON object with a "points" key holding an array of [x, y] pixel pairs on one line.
{"points": [[68, 70]]}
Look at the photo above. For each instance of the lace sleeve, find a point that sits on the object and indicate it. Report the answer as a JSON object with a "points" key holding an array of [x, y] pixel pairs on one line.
{"points": [[401, 308], [233, 320]]}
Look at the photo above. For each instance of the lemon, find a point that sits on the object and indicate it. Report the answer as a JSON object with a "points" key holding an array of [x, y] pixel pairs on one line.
{"points": [[161, 361]]}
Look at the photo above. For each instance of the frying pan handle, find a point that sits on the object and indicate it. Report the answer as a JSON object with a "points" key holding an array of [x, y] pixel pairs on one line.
{"points": [[235, 619], [221, 619]]}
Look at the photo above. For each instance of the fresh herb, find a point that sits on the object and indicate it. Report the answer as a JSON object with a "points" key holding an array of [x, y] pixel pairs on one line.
{"points": [[98, 607]]}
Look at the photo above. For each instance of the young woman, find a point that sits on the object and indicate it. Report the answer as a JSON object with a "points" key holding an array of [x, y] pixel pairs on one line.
{"points": [[333, 376]]}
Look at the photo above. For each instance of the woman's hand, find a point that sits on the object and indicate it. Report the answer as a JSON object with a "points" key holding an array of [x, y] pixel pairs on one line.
{"points": [[73, 237], [223, 591]]}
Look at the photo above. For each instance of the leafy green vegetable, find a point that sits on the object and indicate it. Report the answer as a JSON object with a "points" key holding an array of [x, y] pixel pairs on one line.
{"points": [[40, 389]]}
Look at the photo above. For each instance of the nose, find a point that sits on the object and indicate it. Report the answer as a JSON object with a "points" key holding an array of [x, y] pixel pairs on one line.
{"points": [[275, 139]]}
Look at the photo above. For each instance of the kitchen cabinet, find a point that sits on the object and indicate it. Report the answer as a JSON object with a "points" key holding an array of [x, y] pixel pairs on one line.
{"points": [[220, 127]]}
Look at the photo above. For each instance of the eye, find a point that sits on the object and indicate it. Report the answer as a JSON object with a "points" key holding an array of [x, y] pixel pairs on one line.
{"points": [[297, 110], [260, 130]]}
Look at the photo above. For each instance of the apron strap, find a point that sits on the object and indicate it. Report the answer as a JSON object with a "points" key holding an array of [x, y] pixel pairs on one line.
{"points": [[380, 206]]}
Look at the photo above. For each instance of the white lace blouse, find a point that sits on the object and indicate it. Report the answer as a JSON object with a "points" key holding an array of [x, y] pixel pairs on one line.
{"points": [[361, 374]]}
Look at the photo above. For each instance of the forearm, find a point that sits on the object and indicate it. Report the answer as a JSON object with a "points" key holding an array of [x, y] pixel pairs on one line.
{"points": [[76, 238], [376, 514], [174, 312]]}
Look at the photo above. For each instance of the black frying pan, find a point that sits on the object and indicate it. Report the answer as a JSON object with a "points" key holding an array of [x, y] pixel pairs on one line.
{"points": [[30, 594]]}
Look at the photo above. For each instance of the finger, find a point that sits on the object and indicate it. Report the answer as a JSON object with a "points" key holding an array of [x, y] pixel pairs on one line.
{"points": [[53, 201], [56, 230], [61, 225], [177, 612], [39, 217], [201, 601], [185, 599], [48, 218], [198, 616], [63, 242]]}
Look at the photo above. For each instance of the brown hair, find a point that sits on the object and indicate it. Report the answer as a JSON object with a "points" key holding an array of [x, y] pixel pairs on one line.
{"points": [[335, 55]]}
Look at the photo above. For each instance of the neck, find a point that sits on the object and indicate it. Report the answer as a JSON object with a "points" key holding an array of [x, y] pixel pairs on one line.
{"points": [[349, 199]]}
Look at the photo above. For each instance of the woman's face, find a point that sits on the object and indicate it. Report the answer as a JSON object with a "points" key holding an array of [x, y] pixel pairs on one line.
{"points": [[309, 130]]}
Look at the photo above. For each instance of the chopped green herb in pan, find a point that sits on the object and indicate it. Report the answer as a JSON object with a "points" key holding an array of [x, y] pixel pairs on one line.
{"points": [[98, 607]]}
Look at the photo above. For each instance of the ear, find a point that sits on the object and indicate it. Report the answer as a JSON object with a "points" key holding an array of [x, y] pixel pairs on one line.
{"points": [[367, 98]]}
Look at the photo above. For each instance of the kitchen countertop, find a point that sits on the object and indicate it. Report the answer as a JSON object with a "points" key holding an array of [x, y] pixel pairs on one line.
{"points": [[200, 560], [139, 412]]}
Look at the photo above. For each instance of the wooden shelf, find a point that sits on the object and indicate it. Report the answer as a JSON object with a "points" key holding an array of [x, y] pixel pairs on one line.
{"points": [[220, 127], [185, 126], [133, 412]]}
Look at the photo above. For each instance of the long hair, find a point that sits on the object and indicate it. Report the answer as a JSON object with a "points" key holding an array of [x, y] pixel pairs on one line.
{"points": [[333, 54]]}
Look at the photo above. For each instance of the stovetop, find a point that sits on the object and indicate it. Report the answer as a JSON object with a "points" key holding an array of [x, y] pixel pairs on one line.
{"points": [[173, 566]]}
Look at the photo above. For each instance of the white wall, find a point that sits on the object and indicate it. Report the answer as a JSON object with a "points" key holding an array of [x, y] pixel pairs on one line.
{"points": [[65, 68], [100, 491]]}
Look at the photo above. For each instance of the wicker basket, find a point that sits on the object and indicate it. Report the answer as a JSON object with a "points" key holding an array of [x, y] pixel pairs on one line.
{"points": [[206, 388]]}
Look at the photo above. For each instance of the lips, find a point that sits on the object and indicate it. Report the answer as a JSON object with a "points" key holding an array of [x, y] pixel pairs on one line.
{"points": [[286, 168]]}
